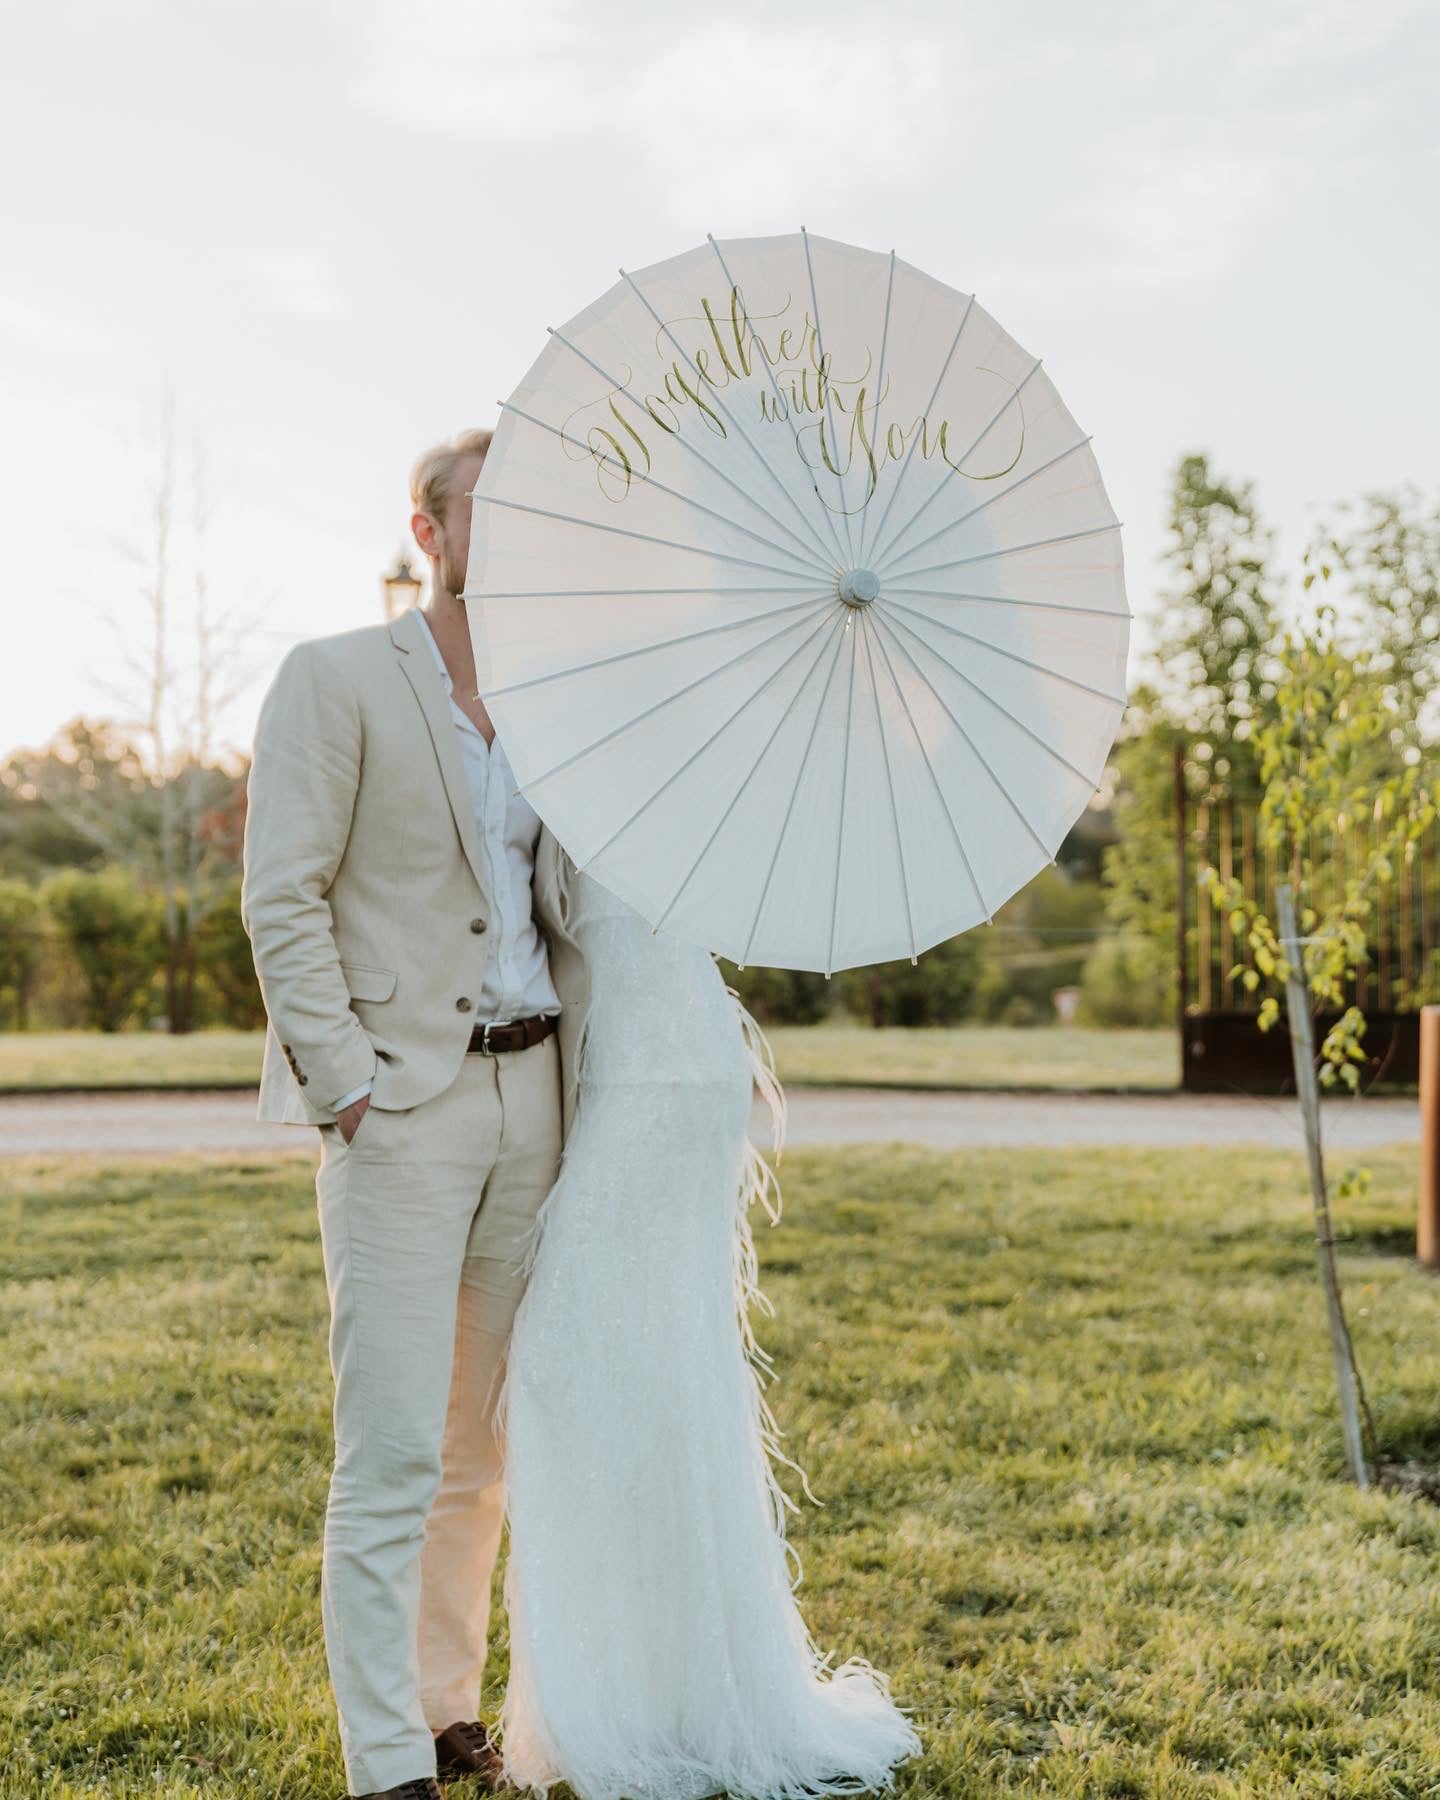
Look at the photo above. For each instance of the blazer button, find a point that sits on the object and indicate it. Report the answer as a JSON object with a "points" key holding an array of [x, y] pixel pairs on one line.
{"points": [[462, 1004], [477, 925], [304, 1080]]}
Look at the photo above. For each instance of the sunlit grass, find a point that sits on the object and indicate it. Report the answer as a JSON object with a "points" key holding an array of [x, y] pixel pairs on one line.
{"points": [[967, 1056], [978, 1056], [1069, 1415], [41, 1061]]}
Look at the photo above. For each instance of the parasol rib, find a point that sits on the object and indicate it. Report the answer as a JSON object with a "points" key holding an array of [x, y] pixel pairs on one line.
{"points": [[796, 785], [990, 500], [686, 637], [631, 593], [679, 437], [764, 460], [955, 468], [829, 410], [676, 493], [844, 787], [879, 397], [884, 737], [935, 781], [999, 705], [671, 698], [700, 749], [963, 562], [784, 403], [939, 380], [1098, 612], [735, 797], [1010, 655], [975, 750], [645, 537]]}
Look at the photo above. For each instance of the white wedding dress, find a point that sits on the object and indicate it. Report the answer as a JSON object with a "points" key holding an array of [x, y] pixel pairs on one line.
{"points": [[656, 1648]]}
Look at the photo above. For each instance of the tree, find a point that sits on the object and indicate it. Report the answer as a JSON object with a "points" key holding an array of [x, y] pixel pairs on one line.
{"points": [[779, 996], [1385, 552], [56, 803], [226, 963], [110, 926], [1321, 774], [1138, 870], [1214, 651], [179, 677], [935, 990], [1210, 689], [20, 929], [1125, 982]]}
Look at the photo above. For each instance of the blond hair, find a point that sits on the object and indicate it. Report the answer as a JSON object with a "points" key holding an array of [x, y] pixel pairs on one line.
{"points": [[432, 480]]}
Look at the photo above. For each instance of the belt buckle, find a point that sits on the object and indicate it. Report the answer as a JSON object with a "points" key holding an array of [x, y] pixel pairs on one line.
{"points": [[485, 1049]]}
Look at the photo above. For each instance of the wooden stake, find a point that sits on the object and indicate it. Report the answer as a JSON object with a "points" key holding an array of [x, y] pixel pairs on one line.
{"points": [[1302, 1049]]}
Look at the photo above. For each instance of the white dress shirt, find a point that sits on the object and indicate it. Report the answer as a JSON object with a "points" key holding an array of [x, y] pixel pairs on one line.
{"points": [[517, 976]]}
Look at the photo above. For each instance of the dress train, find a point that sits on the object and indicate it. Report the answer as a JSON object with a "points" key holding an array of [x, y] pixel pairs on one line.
{"points": [[657, 1650]]}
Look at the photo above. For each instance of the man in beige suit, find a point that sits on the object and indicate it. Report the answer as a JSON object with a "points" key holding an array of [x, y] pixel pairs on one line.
{"points": [[422, 1015]]}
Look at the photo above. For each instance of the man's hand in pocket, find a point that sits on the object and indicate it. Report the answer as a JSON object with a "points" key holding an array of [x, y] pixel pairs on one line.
{"points": [[349, 1120]]}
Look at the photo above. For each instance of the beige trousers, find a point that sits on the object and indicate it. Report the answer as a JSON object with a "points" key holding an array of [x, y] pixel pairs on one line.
{"points": [[421, 1220]]}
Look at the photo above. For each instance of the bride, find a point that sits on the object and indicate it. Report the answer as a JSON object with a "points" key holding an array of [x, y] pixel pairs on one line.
{"points": [[657, 1651]]}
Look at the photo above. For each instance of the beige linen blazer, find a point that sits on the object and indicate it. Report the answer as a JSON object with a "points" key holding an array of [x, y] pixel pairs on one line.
{"points": [[364, 890]]}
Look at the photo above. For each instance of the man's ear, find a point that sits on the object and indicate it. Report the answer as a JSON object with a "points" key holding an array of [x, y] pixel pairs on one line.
{"points": [[427, 533]]}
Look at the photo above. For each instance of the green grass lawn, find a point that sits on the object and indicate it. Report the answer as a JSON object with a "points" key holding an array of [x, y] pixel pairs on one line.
{"points": [[41, 1061], [975, 1056], [1070, 1418]]}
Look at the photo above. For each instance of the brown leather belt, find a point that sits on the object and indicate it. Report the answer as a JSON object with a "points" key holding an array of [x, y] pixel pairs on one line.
{"points": [[514, 1034]]}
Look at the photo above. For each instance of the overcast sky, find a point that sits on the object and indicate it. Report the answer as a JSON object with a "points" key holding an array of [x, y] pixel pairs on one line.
{"points": [[335, 233]]}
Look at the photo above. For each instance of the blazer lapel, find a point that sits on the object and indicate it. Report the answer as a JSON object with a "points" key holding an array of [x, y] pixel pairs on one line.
{"points": [[408, 636]]}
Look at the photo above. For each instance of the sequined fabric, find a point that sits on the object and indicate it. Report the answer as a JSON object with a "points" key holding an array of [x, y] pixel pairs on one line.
{"points": [[657, 1651]]}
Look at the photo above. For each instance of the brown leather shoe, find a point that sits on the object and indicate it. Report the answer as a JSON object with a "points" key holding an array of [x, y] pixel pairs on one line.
{"points": [[424, 1787], [464, 1748]]}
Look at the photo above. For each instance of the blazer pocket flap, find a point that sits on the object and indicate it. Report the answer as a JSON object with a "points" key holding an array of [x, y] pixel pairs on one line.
{"points": [[368, 983]]}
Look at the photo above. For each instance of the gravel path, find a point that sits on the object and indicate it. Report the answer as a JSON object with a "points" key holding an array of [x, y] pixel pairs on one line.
{"points": [[159, 1124]]}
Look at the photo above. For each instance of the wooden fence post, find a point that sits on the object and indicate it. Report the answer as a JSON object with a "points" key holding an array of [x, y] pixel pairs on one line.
{"points": [[1182, 959], [1427, 1226]]}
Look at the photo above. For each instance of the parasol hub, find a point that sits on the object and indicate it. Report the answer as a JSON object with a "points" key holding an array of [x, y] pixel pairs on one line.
{"points": [[858, 587]]}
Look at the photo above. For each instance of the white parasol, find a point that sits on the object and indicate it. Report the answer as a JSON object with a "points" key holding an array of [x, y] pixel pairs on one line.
{"points": [[798, 602]]}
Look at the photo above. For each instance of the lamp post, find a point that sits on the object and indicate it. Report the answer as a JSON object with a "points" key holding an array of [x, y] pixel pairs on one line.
{"points": [[401, 588]]}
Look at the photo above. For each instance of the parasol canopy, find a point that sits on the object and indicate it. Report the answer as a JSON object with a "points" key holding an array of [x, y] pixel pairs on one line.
{"points": [[798, 602]]}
